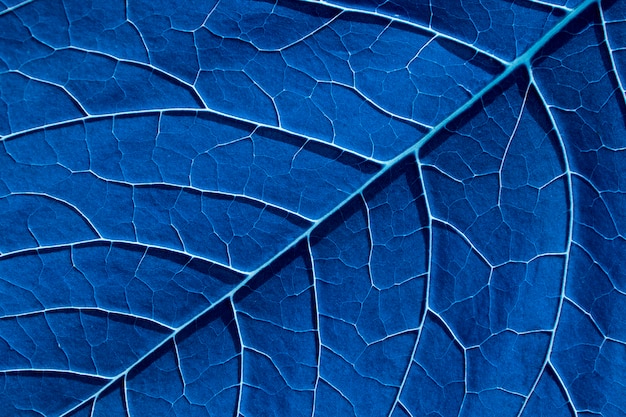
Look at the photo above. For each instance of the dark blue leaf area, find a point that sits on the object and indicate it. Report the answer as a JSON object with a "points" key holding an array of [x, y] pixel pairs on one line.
{"points": [[195, 374], [435, 384], [549, 399], [109, 403], [503, 29], [613, 14], [312, 208], [369, 262], [300, 338], [102, 277], [360, 81], [208, 153], [103, 336], [498, 195], [23, 391], [588, 105], [276, 315], [248, 59], [498, 179], [95, 200]]}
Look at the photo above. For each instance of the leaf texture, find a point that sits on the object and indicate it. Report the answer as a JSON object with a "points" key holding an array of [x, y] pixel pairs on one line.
{"points": [[313, 208]]}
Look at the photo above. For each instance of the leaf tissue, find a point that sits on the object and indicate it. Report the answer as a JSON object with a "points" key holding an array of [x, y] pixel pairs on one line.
{"points": [[395, 208]]}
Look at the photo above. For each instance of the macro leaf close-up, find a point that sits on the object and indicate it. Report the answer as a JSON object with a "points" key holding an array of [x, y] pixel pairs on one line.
{"points": [[286, 208]]}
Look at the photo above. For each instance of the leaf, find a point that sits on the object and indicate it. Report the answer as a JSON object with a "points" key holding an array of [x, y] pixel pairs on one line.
{"points": [[305, 208]]}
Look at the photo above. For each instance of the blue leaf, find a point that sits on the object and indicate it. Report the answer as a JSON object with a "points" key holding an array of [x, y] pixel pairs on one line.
{"points": [[300, 207]]}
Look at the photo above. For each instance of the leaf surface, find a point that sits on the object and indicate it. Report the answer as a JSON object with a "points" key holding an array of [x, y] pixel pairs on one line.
{"points": [[312, 208]]}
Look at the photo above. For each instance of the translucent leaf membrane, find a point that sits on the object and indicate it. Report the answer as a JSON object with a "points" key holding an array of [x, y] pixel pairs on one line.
{"points": [[303, 208]]}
